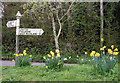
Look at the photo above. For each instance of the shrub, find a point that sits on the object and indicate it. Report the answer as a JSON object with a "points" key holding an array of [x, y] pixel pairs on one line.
{"points": [[23, 59], [104, 62], [53, 60]]}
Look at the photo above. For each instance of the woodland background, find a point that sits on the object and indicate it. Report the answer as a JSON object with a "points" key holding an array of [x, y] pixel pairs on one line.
{"points": [[80, 31]]}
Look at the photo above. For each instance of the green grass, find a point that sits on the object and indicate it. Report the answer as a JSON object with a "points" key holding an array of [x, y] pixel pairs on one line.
{"points": [[69, 73]]}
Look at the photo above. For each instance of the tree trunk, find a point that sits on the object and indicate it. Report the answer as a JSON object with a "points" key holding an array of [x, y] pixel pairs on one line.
{"points": [[54, 33], [70, 32], [101, 30]]}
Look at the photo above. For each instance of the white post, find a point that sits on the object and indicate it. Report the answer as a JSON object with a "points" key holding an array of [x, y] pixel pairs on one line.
{"points": [[18, 15]]}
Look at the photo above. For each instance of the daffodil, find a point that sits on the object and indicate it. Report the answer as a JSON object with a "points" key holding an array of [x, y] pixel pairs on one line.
{"points": [[103, 52], [93, 52], [13, 60], [20, 54], [58, 63], [65, 58], [46, 67], [44, 57], [104, 47], [49, 55], [69, 57], [115, 53], [30, 55], [52, 55], [102, 39], [58, 55], [109, 51], [24, 51], [16, 54], [25, 54], [85, 52], [101, 48], [112, 46], [57, 51], [97, 54], [116, 49]]}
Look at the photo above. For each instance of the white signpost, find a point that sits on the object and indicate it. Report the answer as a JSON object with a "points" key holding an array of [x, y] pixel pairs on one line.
{"points": [[22, 31], [11, 23], [29, 31]]}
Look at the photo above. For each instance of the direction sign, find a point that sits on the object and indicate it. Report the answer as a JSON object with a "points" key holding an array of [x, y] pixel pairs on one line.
{"points": [[11, 23], [29, 31]]}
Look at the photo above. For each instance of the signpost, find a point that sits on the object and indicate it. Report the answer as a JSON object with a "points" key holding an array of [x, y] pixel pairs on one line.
{"points": [[29, 31], [22, 31], [11, 23]]}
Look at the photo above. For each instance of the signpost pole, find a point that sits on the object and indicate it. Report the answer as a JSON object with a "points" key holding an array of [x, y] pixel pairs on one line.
{"points": [[18, 15]]}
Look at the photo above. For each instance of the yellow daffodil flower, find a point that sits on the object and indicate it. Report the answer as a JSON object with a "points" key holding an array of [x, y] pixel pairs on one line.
{"points": [[46, 67], [93, 52], [115, 53], [104, 47], [97, 54], [58, 55], [101, 48], [102, 39], [116, 49], [20, 54], [57, 51], [25, 54], [103, 52], [44, 57], [58, 63], [112, 46], [49, 55], [13, 60], [30, 55], [109, 51]]}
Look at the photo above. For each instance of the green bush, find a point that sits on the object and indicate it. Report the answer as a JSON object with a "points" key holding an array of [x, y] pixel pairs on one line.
{"points": [[53, 60], [23, 59]]}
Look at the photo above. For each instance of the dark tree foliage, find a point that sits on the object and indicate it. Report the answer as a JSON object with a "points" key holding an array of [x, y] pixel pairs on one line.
{"points": [[80, 32]]}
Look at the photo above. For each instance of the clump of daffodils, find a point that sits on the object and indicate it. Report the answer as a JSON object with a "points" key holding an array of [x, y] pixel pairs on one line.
{"points": [[23, 59], [103, 63], [22, 54], [53, 60]]}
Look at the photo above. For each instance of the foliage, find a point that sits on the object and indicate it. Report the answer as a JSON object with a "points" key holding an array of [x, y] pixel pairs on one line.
{"points": [[104, 62], [53, 60], [84, 60], [23, 59]]}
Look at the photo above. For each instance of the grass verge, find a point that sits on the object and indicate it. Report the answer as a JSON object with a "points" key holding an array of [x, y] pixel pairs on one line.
{"points": [[69, 73]]}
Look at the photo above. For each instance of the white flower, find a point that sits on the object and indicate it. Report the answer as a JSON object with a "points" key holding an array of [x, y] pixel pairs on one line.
{"points": [[69, 57], [65, 58]]}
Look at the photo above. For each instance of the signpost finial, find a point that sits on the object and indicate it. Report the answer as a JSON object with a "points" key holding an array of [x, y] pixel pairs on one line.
{"points": [[18, 14]]}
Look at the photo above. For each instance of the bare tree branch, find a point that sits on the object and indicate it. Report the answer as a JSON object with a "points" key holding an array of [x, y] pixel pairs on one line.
{"points": [[59, 24], [67, 11]]}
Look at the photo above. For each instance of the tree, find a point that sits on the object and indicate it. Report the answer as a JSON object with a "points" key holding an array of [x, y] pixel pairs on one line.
{"points": [[54, 10], [101, 13]]}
